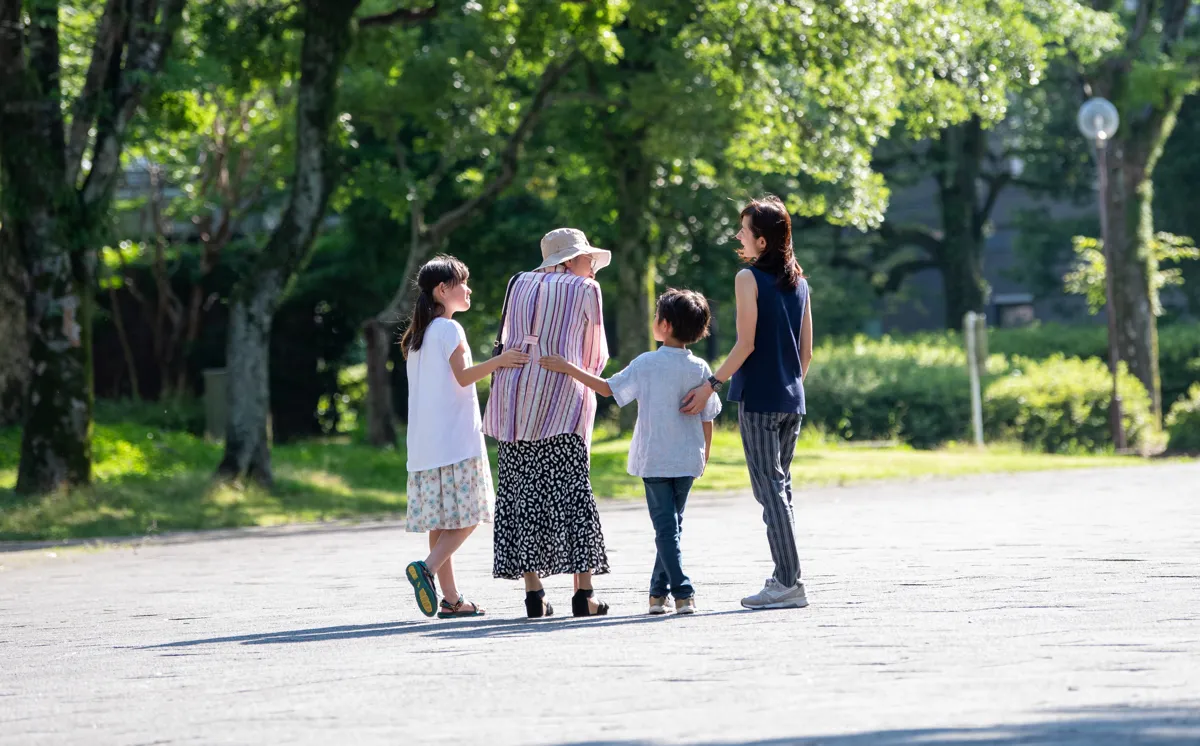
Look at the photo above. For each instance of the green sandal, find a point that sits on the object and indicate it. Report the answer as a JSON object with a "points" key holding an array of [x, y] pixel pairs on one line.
{"points": [[422, 582], [455, 610]]}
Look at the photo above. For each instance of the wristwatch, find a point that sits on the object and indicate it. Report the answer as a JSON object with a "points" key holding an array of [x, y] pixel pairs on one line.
{"points": [[716, 383]]}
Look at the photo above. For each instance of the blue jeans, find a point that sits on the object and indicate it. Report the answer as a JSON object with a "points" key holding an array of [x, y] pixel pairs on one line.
{"points": [[666, 498]]}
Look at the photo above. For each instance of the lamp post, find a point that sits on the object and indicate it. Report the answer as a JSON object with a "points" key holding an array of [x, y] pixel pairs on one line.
{"points": [[1098, 121]]}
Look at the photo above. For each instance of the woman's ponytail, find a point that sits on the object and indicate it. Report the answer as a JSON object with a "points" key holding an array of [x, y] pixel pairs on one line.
{"points": [[436, 271]]}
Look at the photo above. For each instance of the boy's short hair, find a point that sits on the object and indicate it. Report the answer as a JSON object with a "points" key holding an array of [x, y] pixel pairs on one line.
{"points": [[687, 312]]}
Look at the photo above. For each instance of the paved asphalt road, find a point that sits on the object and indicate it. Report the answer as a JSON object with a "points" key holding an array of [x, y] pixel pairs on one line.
{"points": [[1039, 608]]}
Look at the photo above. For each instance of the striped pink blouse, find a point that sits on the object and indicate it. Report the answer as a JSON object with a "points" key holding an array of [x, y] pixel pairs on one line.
{"points": [[556, 314]]}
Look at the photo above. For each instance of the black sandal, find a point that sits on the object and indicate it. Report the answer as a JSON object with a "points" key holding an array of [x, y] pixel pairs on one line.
{"points": [[581, 607], [536, 606]]}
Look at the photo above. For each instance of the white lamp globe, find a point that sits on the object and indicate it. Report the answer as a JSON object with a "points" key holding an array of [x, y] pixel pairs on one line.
{"points": [[1098, 119]]}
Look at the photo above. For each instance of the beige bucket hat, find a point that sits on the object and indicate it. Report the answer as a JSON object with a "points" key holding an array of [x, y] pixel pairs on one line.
{"points": [[564, 244]]}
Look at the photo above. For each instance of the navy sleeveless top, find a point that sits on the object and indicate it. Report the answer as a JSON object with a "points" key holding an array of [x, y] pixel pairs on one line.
{"points": [[769, 380]]}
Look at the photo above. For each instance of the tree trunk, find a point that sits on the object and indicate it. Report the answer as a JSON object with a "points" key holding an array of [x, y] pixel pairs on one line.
{"points": [[377, 332], [381, 419], [381, 416], [56, 449], [53, 219], [247, 448], [633, 260], [126, 349], [1131, 158], [326, 41], [1130, 231], [46, 224], [635, 288], [14, 341], [959, 152]]}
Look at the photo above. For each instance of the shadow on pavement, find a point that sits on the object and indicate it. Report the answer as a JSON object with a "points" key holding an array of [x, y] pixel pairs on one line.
{"points": [[448, 629], [1176, 725]]}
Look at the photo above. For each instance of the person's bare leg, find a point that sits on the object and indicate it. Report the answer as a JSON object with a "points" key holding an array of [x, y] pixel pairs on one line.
{"points": [[532, 582], [445, 576], [448, 542], [434, 535], [583, 582], [441, 548]]}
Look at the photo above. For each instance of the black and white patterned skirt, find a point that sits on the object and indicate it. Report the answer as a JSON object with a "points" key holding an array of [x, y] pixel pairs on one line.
{"points": [[546, 519]]}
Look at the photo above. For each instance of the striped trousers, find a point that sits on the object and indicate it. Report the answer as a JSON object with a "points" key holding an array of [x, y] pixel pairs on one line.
{"points": [[769, 440]]}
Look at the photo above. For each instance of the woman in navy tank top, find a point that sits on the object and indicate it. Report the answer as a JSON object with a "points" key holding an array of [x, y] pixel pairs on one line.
{"points": [[766, 370]]}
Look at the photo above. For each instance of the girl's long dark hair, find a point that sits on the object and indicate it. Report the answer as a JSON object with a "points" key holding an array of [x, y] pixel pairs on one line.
{"points": [[437, 270], [769, 219]]}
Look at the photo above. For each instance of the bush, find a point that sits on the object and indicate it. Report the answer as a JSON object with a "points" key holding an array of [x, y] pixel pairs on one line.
{"points": [[917, 392], [1183, 423], [175, 415], [345, 409], [1060, 405], [1178, 350]]}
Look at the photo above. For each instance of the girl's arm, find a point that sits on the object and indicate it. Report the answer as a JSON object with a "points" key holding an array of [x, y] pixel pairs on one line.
{"points": [[746, 293], [806, 338], [465, 376], [559, 364]]}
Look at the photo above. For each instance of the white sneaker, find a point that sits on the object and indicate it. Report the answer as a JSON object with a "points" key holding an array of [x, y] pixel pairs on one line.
{"points": [[777, 596], [658, 605], [685, 605]]}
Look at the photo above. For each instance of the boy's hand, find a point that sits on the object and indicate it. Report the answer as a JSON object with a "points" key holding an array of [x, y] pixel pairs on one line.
{"points": [[707, 455], [513, 358], [555, 363]]}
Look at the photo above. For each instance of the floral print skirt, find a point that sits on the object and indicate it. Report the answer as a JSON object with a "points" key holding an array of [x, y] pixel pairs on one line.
{"points": [[448, 497]]}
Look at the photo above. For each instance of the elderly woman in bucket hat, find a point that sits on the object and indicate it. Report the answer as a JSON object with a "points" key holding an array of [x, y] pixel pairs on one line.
{"points": [[546, 522]]}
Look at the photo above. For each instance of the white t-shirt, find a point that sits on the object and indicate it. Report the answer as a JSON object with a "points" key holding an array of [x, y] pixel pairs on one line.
{"points": [[444, 426]]}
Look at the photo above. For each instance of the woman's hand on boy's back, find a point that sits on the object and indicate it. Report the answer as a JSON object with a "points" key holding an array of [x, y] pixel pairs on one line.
{"points": [[512, 358]]}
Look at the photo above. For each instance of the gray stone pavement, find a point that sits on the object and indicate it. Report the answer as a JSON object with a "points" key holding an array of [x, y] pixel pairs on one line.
{"points": [[1037, 608]]}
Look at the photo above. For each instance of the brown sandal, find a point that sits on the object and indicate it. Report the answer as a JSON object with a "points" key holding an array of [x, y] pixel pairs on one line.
{"points": [[456, 610]]}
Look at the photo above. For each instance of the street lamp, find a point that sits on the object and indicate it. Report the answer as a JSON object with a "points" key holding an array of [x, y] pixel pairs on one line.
{"points": [[1098, 121]]}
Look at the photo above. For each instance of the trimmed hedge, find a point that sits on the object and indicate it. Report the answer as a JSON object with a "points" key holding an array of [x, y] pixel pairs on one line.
{"points": [[1061, 405], [1183, 423], [1178, 350], [918, 392]]}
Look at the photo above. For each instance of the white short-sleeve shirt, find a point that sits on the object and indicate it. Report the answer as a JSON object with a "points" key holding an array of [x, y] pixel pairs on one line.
{"points": [[666, 443], [444, 426]]}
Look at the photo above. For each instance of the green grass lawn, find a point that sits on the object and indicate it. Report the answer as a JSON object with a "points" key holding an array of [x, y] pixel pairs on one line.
{"points": [[148, 480]]}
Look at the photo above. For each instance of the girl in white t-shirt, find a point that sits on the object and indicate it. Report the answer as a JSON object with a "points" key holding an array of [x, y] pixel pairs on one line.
{"points": [[449, 480]]}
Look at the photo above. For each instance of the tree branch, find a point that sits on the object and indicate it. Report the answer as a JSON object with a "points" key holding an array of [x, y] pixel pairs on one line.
{"points": [[152, 28], [1174, 18], [898, 273], [12, 42], [1145, 9], [912, 235], [453, 219], [83, 112], [400, 17], [509, 159], [996, 185], [585, 97]]}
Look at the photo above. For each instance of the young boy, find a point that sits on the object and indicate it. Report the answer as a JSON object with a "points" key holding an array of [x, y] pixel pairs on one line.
{"points": [[670, 449]]}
